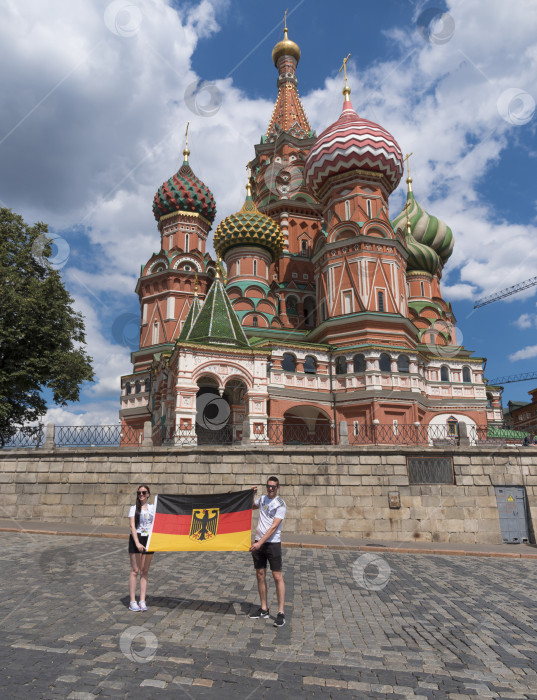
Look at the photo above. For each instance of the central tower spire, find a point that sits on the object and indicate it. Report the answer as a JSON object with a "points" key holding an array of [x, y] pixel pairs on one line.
{"points": [[288, 114]]}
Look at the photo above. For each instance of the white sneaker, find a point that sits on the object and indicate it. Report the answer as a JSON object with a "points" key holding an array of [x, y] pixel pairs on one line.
{"points": [[134, 606], [142, 606]]}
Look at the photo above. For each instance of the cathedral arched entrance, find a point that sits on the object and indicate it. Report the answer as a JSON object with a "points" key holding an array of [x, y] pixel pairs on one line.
{"points": [[212, 413], [306, 425]]}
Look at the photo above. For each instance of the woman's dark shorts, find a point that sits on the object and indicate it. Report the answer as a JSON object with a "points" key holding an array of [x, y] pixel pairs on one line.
{"points": [[271, 552], [133, 549]]}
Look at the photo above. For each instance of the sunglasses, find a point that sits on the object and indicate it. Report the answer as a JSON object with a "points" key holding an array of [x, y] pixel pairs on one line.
{"points": [[142, 493], [271, 488]]}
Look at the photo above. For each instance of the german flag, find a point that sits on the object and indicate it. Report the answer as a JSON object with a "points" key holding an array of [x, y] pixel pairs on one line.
{"points": [[219, 522]]}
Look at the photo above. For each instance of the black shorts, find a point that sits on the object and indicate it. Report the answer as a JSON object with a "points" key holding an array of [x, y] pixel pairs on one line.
{"points": [[271, 552], [133, 549]]}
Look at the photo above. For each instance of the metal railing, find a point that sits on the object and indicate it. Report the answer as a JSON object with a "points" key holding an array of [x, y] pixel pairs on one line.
{"points": [[403, 434], [269, 434], [32, 436], [97, 436]]}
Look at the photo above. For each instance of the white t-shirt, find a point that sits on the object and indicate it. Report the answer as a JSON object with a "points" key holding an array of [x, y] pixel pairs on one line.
{"points": [[270, 508], [146, 519]]}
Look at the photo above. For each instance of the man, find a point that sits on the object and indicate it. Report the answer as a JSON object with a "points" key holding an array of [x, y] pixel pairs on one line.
{"points": [[268, 547]]}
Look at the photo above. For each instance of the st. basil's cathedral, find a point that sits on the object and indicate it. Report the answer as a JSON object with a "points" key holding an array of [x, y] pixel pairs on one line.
{"points": [[321, 316]]}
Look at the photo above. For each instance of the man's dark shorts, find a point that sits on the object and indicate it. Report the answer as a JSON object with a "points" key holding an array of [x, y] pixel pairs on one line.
{"points": [[271, 552]]}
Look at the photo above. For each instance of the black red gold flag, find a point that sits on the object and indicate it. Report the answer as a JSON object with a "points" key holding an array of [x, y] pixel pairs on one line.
{"points": [[218, 522]]}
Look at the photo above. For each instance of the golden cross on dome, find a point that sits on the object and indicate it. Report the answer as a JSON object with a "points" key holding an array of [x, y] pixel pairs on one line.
{"points": [[186, 152], [285, 20], [196, 285], [346, 89], [408, 179]]}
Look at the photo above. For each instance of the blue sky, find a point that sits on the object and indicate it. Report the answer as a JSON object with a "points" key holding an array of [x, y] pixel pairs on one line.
{"points": [[97, 96]]}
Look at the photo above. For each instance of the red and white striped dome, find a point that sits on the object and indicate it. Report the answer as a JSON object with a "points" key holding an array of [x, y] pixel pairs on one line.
{"points": [[350, 143]]}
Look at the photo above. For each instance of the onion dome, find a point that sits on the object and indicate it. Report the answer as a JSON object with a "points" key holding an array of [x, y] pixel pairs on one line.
{"points": [[425, 228], [248, 227], [421, 258], [351, 143], [184, 192], [286, 47]]}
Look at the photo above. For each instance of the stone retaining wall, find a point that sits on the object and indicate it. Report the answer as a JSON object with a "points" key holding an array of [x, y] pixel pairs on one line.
{"points": [[329, 490]]}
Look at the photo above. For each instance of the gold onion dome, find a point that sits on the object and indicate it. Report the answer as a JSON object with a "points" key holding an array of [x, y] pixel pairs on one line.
{"points": [[286, 47], [248, 227]]}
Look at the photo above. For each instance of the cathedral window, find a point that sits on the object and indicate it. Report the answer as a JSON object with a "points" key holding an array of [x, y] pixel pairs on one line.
{"points": [[341, 364], [186, 242], [147, 385], [291, 306], [347, 210], [309, 312], [347, 302], [304, 249], [288, 362], [155, 334], [128, 389], [238, 267], [444, 373], [369, 209], [255, 268], [466, 375], [380, 300], [403, 365], [144, 313], [254, 322], [170, 311], [137, 387], [310, 364], [422, 288], [358, 363], [385, 363], [305, 277]]}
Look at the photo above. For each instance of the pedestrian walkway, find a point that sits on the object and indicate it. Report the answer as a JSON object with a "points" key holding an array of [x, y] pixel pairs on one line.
{"points": [[360, 624], [512, 551]]}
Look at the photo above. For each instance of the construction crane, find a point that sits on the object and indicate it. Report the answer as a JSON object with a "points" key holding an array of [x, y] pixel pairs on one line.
{"points": [[510, 378], [506, 293]]}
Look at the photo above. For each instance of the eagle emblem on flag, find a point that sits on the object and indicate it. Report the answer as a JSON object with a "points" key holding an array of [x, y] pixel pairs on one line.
{"points": [[204, 524]]}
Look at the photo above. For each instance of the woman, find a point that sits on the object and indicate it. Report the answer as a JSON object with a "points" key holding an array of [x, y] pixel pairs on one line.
{"points": [[141, 519]]}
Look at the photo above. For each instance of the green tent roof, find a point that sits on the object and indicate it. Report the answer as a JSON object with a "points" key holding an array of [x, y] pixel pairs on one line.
{"points": [[217, 323]]}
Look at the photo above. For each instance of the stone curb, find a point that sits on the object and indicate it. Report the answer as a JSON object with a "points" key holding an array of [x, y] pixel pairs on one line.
{"points": [[304, 545]]}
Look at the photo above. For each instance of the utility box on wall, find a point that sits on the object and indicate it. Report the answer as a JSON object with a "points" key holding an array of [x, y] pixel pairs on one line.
{"points": [[512, 510]]}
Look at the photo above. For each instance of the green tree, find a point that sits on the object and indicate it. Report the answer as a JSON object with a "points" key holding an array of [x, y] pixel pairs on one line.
{"points": [[41, 336]]}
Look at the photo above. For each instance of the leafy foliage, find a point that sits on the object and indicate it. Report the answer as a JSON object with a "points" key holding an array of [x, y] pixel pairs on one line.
{"points": [[41, 336]]}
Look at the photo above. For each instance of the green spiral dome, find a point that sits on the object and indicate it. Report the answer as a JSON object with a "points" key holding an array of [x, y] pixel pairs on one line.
{"points": [[248, 227], [421, 258], [426, 229]]}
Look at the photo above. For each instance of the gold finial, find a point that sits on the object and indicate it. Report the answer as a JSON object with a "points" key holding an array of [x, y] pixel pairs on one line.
{"points": [[346, 89], [248, 183], [196, 285], [217, 275], [408, 179], [407, 209], [186, 152], [285, 22]]}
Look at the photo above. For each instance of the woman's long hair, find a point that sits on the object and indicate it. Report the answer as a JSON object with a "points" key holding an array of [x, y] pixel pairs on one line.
{"points": [[139, 504]]}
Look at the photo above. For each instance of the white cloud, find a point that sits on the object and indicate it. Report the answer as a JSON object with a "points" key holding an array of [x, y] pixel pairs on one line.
{"points": [[524, 354], [458, 291], [526, 321]]}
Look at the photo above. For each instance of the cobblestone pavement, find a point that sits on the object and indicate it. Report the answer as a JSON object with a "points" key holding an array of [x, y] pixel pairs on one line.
{"points": [[358, 625]]}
